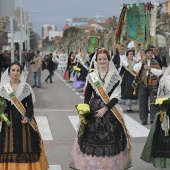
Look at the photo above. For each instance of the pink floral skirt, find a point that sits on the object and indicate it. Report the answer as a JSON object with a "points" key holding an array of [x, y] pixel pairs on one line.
{"points": [[80, 161]]}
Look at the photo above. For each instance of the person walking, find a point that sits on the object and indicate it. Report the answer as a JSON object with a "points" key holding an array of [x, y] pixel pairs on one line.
{"points": [[148, 71], [50, 68], [157, 147], [163, 56], [23, 58], [105, 142], [21, 146], [127, 74], [63, 60], [36, 69], [29, 58]]}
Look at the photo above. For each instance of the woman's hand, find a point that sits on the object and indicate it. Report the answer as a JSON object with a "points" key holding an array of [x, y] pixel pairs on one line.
{"points": [[1, 119], [24, 120], [101, 112]]}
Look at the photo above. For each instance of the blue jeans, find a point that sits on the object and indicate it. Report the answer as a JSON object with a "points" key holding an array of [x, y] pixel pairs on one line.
{"points": [[50, 75], [37, 78]]}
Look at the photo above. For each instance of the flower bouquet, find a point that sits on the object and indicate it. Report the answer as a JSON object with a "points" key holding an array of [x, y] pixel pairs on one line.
{"points": [[2, 110], [77, 69], [83, 111], [163, 104]]}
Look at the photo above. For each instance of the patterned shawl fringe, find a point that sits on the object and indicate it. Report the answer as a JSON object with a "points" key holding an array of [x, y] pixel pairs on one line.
{"points": [[19, 158], [102, 150]]}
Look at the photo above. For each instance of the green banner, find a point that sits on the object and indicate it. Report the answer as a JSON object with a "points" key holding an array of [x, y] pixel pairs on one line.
{"points": [[136, 20], [92, 44]]}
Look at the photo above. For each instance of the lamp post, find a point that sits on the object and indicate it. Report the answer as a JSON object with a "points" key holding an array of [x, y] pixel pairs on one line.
{"points": [[28, 30], [21, 41]]}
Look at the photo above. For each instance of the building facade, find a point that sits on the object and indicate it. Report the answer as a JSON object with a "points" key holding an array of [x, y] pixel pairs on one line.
{"points": [[46, 28]]}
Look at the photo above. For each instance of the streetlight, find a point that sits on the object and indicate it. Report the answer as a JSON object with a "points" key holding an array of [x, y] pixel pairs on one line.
{"points": [[21, 41], [28, 30]]}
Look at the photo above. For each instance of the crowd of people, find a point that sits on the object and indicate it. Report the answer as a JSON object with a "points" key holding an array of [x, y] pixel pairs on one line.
{"points": [[107, 82]]}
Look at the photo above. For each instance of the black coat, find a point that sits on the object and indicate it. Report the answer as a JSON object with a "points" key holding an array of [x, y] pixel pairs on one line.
{"points": [[50, 64], [116, 61]]}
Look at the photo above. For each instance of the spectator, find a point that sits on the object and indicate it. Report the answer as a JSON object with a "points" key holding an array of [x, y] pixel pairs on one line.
{"points": [[163, 56], [23, 58], [29, 58], [6, 59], [36, 69]]}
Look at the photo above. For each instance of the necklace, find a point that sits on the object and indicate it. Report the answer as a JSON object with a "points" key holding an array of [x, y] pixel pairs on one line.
{"points": [[14, 86], [104, 76]]}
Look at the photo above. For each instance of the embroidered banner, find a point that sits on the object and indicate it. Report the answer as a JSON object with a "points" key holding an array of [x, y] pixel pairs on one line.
{"points": [[121, 24], [135, 20], [92, 44]]}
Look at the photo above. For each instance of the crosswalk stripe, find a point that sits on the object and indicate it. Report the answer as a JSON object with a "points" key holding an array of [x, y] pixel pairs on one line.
{"points": [[55, 167], [44, 127], [135, 128]]}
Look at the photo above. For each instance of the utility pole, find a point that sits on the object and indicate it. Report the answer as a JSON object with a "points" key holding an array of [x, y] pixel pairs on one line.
{"points": [[21, 41], [12, 37]]}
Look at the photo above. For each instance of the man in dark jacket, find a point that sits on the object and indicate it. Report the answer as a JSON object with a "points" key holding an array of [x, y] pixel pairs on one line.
{"points": [[6, 59], [119, 57], [1, 61]]}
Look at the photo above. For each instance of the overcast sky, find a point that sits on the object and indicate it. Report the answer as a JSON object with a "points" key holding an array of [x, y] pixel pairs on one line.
{"points": [[57, 11]]}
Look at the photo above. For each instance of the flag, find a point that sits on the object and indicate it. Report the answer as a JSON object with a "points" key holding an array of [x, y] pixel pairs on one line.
{"points": [[92, 44], [136, 22]]}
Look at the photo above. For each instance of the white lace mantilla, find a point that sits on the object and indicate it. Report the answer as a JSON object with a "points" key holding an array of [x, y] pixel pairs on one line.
{"points": [[111, 79], [22, 92]]}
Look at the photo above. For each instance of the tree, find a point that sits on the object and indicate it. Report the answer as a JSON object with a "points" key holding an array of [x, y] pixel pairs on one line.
{"points": [[71, 31], [3, 39], [34, 40]]}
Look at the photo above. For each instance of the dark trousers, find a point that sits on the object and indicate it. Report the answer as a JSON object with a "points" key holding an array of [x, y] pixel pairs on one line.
{"points": [[143, 97], [164, 63], [50, 75], [23, 65]]}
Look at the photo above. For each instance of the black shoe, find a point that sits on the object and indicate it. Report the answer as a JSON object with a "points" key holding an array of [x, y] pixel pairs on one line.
{"points": [[51, 82], [144, 123], [38, 86], [34, 86], [151, 121], [46, 81], [129, 111]]}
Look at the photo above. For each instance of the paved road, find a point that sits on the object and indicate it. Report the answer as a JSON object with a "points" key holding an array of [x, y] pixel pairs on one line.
{"points": [[56, 116]]}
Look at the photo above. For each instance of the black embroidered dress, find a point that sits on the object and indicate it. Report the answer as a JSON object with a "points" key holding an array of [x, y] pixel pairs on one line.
{"points": [[104, 143], [20, 145]]}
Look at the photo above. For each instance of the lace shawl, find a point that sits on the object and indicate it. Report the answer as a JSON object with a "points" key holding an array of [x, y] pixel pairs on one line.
{"points": [[111, 79], [23, 90]]}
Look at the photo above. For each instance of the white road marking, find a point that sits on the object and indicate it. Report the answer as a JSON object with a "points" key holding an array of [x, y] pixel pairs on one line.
{"points": [[74, 121], [77, 93], [44, 127], [56, 110], [135, 128], [81, 97], [73, 90], [55, 167]]}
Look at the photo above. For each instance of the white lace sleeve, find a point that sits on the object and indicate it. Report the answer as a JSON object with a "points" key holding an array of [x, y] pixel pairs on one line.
{"points": [[163, 91]]}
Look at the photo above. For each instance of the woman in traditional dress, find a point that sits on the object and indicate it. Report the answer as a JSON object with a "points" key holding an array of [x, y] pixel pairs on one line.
{"points": [[140, 54], [105, 143], [127, 74], [21, 146], [157, 147], [80, 77], [69, 73]]}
